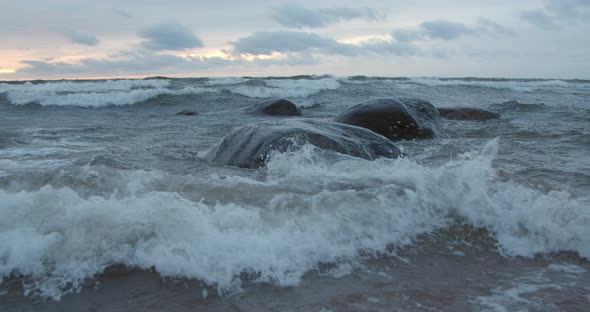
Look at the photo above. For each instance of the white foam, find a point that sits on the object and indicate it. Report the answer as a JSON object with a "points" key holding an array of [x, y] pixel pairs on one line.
{"points": [[566, 268], [517, 85], [308, 210], [128, 92], [499, 84], [91, 94], [530, 291], [292, 88], [223, 81]]}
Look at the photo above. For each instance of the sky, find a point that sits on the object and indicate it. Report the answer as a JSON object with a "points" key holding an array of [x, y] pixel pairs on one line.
{"points": [[55, 39]]}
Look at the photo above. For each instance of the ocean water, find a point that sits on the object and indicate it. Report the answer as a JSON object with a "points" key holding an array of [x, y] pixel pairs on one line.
{"points": [[101, 174]]}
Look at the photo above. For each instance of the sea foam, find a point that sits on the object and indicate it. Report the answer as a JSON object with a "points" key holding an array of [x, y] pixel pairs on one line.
{"points": [[91, 94], [306, 211], [97, 94]]}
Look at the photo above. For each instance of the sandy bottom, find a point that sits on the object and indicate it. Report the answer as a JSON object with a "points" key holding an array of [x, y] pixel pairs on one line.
{"points": [[456, 277]]}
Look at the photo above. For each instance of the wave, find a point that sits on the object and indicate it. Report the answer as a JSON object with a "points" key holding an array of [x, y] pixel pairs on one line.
{"points": [[297, 88], [127, 92], [520, 85], [91, 94], [516, 85], [306, 211]]}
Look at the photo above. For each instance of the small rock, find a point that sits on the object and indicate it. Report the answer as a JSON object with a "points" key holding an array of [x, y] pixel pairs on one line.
{"points": [[280, 107], [187, 113]]}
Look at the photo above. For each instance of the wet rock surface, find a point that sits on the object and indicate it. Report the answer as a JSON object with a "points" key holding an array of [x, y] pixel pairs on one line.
{"points": [[395, 118], [249, 146], [276, 107]]}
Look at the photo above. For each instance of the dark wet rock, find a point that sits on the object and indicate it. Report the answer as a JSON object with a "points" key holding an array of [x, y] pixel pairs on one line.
{"points": [[187, 113], [249, 146], [467, 113], [395, 118], [518, 106], [278, 107]]}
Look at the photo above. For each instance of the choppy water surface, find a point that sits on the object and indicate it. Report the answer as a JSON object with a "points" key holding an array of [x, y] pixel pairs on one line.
{"points": [[101, 173]]}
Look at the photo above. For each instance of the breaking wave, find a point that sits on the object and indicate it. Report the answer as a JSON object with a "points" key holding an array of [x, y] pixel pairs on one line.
{"points": [[127, 92], [306, 211]]}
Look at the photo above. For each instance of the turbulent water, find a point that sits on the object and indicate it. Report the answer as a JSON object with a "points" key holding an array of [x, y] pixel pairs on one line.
{"points": [[101, 173]]}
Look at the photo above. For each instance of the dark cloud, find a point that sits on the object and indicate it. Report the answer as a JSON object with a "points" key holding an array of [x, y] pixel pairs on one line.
{"points": [[81, 38], [295, 16], [558, 12], [447, 30], [487, 25], [133, 64], [267, 42], [408, 34], [438, 29], [122, 13], [148, 63], [540, 19], [570, 9], [298, 48], [169, 36], [443, 29], [388, 47]]}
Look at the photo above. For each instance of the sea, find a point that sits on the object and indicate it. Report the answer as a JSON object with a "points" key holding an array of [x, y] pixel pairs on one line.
{"points": [[107, 203]]}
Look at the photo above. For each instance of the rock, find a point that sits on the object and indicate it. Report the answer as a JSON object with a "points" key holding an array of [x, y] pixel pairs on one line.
{"points": [[249, 146], [187, 113], [395, 118], [467, 113], [279, 107]]}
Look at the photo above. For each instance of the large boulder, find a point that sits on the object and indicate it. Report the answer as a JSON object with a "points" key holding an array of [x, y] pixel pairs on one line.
{"points": [[276, 107], [395, 118], [467, 113], [249, 146]]}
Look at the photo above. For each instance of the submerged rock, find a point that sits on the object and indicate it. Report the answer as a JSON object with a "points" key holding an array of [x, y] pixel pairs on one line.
{"points": [[187, 113], [280, 107], [249, 146], [467, 113], [395, 118]]}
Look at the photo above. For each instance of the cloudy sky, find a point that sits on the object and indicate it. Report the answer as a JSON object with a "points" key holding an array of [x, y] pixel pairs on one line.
{"points": [[136, 38]]}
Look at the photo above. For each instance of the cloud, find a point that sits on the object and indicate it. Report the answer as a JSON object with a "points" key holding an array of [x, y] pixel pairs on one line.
{"points": [[443, 29], [487, 25], [81, 38], [558, 12], [295, 48], [447, 30], [134, 64], [122, 13], [267, 42], [540, 19], [388, 47], [169, 36], [407, 34], [295, 16], [570, 9], [437, 29]]}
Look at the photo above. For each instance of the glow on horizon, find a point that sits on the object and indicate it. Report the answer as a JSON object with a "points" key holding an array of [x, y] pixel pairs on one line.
{"points": [[7, 71]]}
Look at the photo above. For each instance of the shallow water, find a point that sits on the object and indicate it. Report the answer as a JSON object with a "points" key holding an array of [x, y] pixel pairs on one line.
{"points": [[96, 174]]}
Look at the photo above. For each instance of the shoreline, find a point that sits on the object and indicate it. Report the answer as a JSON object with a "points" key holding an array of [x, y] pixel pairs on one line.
{"points": [[458, 278]]}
